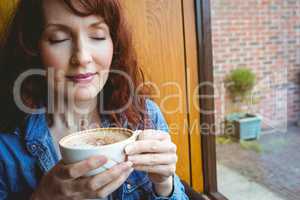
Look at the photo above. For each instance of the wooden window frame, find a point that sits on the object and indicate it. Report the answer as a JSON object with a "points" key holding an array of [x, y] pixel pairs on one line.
{"points": [[205, 70]]}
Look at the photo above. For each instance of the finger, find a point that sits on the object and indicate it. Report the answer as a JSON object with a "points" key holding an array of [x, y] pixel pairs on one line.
{"points": [[150, 146], [151, 134], [92, 184], [73, 171], [112, 186], [153, 159], [165, 170]]}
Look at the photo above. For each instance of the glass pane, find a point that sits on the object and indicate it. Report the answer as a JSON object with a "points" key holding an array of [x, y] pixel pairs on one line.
{"points": [[256, 49]]}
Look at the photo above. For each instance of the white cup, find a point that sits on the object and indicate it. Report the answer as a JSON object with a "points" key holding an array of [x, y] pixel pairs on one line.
{"points": [[74, 147]]}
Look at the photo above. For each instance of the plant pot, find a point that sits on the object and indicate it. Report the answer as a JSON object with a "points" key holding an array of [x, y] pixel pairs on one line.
{"points": [[244, 126]]}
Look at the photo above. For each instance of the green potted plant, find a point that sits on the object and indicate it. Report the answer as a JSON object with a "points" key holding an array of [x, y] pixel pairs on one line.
{"points": [[244, 125]]}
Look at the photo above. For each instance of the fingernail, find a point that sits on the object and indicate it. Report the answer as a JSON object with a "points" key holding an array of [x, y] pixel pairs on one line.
{"points": [[93, 163], [99, 161]]}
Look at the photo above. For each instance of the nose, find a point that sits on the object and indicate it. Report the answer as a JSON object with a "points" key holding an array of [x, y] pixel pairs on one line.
{"points": [[81, 55]]}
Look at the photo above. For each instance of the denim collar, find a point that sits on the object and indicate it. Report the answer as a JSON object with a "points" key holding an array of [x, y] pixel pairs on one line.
{"points": [[36, 127]]}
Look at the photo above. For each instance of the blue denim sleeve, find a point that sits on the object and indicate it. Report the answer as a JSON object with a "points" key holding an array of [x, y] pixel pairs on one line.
{"points": [[156, 116], [3, 186], [160, 123]]}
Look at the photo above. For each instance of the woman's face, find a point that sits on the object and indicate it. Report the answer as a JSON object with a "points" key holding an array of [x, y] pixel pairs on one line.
{"points": [[77, 51]]}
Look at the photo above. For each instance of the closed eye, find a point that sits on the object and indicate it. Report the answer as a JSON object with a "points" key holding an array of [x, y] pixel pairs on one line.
{"points": [[98, 38], [57, 41]]}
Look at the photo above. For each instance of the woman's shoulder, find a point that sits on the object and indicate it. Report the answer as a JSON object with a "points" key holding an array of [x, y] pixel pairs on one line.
{"points": [[156, 116]]}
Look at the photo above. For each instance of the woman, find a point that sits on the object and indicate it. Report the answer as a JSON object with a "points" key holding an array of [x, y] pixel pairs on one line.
{"points": [[67, 66]]}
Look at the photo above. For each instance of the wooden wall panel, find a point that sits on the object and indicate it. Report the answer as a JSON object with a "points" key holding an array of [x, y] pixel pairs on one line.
{"points": [[192, 85], [159, 39]]}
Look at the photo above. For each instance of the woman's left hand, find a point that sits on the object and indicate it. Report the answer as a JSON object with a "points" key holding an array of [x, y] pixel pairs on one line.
{"points": [[155, 153]]}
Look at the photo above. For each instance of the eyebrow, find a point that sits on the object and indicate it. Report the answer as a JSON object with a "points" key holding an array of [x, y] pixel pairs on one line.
{"points": [[65, 27], [97, 24]]}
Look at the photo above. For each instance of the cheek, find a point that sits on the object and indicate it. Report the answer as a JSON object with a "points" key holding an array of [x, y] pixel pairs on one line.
{"points": [[103, 56], [55, 61], [54, 57]]}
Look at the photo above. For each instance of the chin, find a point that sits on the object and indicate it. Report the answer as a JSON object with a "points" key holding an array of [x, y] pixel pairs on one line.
{"points": [[86, 95]]}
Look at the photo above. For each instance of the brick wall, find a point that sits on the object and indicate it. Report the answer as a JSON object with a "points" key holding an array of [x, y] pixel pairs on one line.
{"points": [[263, 35]]}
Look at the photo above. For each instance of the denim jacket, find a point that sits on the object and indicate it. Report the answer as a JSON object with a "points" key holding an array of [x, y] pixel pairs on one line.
{"points": [[26, 157]]}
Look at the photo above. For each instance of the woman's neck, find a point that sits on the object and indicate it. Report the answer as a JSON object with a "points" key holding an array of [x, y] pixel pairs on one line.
{"points": [[77, 116]]}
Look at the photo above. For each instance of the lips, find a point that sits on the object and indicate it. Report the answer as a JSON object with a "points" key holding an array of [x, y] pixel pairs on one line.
{"points": [[81, 77]]}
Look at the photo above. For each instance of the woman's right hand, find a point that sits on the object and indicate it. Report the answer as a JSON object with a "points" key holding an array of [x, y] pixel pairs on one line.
{"points": [[64, 182]]}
